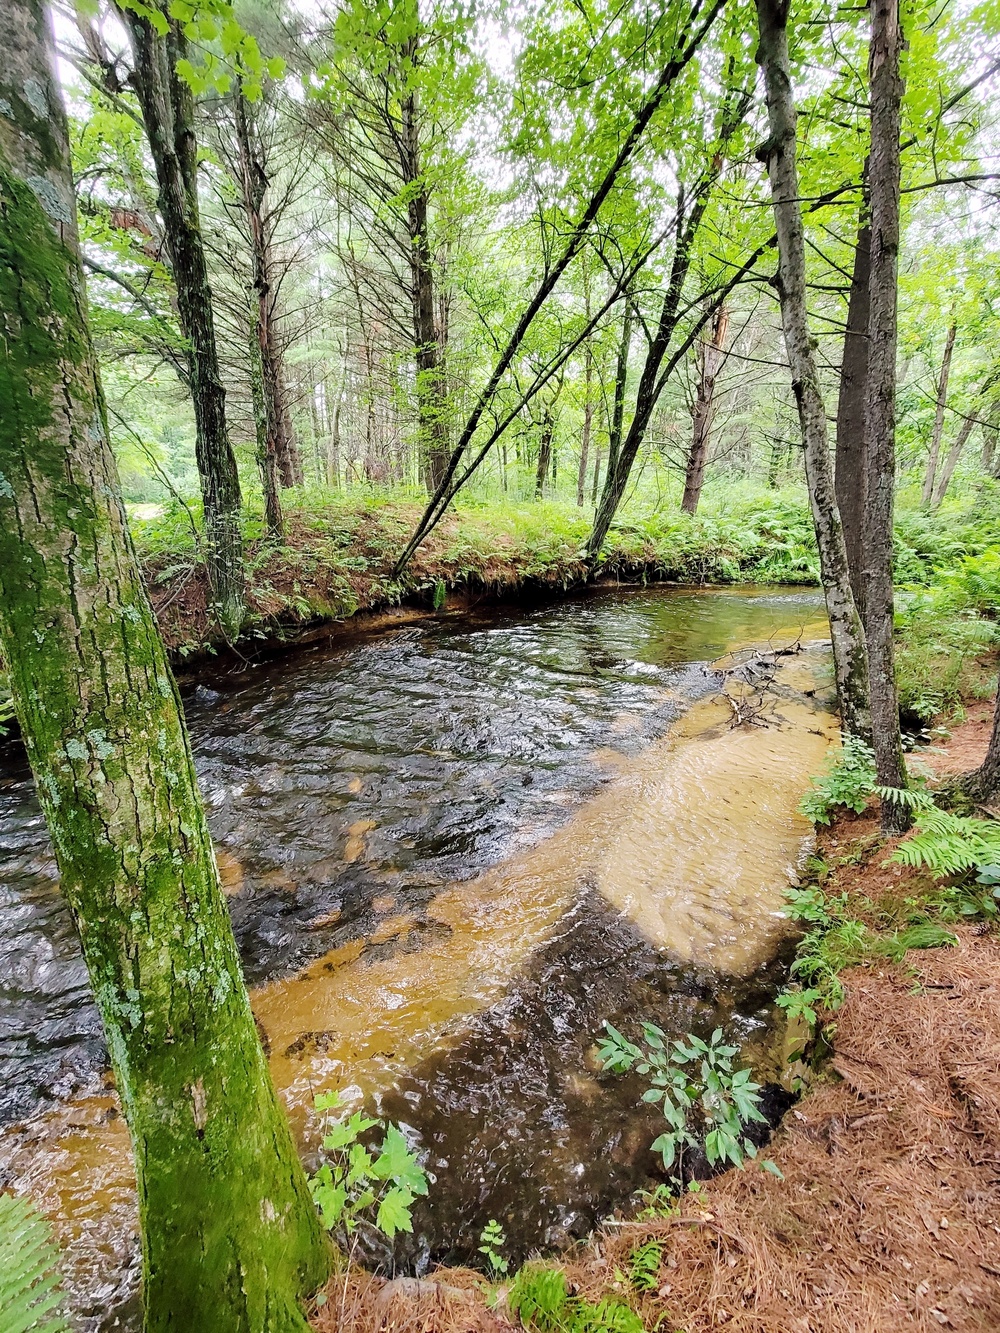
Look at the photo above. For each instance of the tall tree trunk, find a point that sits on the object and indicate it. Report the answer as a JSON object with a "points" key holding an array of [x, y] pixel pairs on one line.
{"points": [[588, 421], [850, 447], [712, 356], [621, 385], [850, 665], [544, 453], [431, 407], [951, 462], [265, 371], [231, 1240], [595, 488], [886, 91], [942, 402], [168, 115]]}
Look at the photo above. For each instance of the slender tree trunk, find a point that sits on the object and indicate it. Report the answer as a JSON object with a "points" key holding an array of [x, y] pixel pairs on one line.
{"points": [[712, 357], [588, 420], [942, 402], [168, 115], [621, 384], [691, 39], [253, 186], [650, 381], [595, 488], [886, 91], [850, 448], [431, 407], [544, 454], [850, 665], [230, 1236], [951, 462], [265, 374], [267, 457]]}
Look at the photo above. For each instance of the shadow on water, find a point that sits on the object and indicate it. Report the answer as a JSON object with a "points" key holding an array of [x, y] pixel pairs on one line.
{"points": [[451, 852]]}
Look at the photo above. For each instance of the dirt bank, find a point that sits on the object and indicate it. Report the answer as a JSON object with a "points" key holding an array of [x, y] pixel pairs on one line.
{"points": [[888, 1216]]}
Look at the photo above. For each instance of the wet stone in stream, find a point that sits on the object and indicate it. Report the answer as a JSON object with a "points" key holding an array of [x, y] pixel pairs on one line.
{"points": [[448, 860]]}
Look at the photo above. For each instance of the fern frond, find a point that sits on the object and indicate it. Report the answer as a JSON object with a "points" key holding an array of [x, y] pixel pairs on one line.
{"points": [[29, 1278]]}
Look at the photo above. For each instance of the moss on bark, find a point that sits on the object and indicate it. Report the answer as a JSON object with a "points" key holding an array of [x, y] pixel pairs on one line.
{"points": [[231, 1239]]}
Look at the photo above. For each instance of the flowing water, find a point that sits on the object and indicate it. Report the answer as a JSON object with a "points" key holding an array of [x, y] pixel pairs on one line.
{"points": [[453, 850]]}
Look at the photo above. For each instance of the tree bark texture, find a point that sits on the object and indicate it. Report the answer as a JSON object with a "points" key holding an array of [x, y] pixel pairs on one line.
{"points": [[168, 115], [886, 91], [850, 664], [850, 446], [432, 415], [544, 454], [930, 473], [231, 1240], [265, 368], [711, 358], [588, 423]]}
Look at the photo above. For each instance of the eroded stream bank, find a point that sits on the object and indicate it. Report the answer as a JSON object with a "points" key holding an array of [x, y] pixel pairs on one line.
{"points": [[452, 851]]}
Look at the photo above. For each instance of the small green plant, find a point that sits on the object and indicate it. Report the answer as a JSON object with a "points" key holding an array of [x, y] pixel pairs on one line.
{"points": [[357, 1184], [700, 1094], [837, 940], [541, 1299], [644, 1265], [492, 1239], [848, 780], [29, 1278]]}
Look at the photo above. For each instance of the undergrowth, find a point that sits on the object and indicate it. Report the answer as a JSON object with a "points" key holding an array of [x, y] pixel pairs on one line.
{"points": [[30, 1298], [540, 1297]]}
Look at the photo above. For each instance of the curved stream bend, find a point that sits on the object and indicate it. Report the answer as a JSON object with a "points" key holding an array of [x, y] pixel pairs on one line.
{"points": [[630, 867]]}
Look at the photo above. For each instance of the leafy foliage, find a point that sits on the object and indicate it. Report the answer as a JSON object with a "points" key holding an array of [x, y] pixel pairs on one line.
{"points": [[29, 1280], [357, 1183], [541, 1299], [702, 1098], [944, 842], [492, 1239], [848, 781]]}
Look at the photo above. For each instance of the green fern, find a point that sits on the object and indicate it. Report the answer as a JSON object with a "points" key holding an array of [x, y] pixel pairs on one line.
{"points": [[29, 1279], [644, 1265], [541, 1299], [945, 843]]}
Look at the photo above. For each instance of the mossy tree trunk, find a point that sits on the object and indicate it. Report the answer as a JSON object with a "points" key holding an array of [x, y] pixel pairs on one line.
{"points": [[231, 1241], [778, 153], [168, 115]]}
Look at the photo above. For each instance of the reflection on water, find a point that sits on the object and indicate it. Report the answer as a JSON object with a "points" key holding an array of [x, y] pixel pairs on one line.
{"points": [[451, 853]]}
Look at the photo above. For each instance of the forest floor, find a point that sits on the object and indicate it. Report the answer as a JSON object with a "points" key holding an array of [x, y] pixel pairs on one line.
{"points": [[888, 1215]]}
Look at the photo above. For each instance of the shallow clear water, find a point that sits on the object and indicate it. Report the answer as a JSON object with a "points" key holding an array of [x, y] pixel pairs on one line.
{"points": [[444, 847]]}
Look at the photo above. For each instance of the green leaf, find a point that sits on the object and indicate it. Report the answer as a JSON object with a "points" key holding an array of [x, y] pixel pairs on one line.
{"points": [[394, 1211]]}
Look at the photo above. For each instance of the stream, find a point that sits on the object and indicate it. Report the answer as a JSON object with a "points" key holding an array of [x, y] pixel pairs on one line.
{"points": [[453, 849]]}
